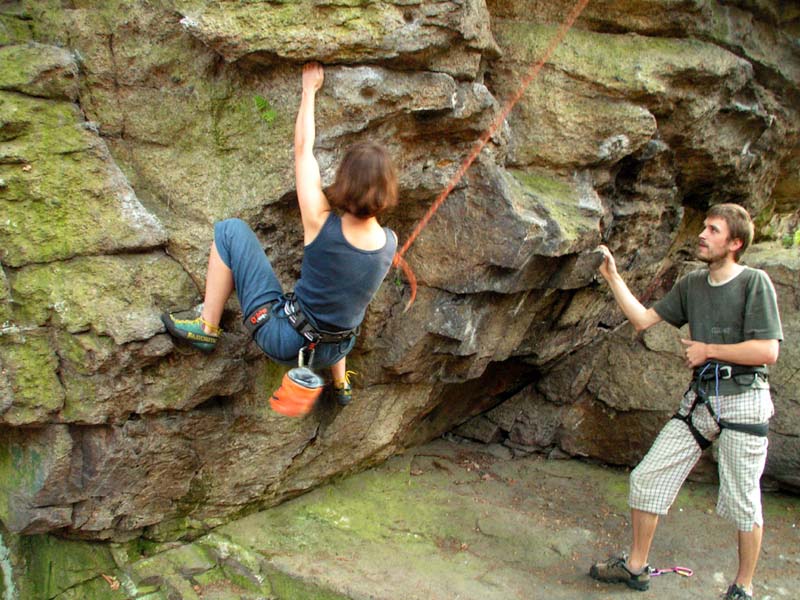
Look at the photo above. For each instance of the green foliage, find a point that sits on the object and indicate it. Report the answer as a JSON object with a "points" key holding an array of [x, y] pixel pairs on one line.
{"points": [[264, 108]]}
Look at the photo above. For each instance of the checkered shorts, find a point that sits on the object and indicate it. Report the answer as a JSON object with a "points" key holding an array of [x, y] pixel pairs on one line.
{"points": [[655, 482]]}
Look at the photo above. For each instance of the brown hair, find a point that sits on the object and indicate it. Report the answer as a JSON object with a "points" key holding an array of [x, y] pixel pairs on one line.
{"points": [[740, 225], [366, 181]]}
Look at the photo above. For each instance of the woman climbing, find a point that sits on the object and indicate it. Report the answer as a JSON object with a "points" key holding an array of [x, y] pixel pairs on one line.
{"points": [[345, 259]]}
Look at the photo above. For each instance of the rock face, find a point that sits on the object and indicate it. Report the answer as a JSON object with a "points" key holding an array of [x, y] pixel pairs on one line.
{"points": [[127, 128]]}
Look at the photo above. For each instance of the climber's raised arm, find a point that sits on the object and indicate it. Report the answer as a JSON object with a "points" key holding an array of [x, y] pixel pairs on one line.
{"points": [[314, 206]]}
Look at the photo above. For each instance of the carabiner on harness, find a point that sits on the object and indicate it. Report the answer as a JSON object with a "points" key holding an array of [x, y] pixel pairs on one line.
{"points": [[311, 349]]}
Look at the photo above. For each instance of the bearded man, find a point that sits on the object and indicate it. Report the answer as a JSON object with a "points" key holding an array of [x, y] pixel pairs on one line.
{"points": [[735, 332]]}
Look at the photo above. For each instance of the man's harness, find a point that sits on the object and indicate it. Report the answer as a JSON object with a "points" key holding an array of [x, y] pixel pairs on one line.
{"points": [[700, 383], [299, 322]]}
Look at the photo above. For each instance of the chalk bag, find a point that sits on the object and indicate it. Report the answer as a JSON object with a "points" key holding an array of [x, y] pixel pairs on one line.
{"points": [[298, 392]]}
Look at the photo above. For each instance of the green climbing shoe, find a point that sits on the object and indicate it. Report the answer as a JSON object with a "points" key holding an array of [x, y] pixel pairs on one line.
{"points": [[188, 326]]}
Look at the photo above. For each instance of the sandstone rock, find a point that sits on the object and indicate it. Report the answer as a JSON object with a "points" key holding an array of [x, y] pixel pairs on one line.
{"points": [[5, 304], [782, 462], [31, 390], [39, 483], [117, 296], [537, 425], [39, 70], [647, 112], [373, 93], [443, 325], [332, 31], [591, 429], [481, 429], [783, 267], [535, 221], [59, 180], [135, 379]]}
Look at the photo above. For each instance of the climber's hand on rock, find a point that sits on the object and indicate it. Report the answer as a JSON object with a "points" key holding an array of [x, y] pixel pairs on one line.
{"points": [[313, 76], [608, 268]]}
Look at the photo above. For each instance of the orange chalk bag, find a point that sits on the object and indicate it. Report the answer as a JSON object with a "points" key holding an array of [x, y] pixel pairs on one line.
{"points": [[300, 389]]}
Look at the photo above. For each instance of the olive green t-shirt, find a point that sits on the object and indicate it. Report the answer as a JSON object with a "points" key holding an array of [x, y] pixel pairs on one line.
{"points": [[744, 308]]}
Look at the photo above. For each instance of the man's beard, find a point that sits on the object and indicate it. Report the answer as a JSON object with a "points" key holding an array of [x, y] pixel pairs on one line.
{"points": [[709, 257]]}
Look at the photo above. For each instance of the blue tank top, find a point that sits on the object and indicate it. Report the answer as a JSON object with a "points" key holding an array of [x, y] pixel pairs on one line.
{"points": [[337, 280]]}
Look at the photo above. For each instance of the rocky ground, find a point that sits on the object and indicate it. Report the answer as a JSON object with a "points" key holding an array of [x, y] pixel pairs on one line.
{"points": [[456, 520]]}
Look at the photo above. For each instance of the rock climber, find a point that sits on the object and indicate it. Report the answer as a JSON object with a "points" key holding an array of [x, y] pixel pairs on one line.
{"points": [[347, 254], [734, 333]]}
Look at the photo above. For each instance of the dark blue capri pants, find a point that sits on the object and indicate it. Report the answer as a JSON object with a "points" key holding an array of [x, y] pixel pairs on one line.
{"points": [[256, 284]]}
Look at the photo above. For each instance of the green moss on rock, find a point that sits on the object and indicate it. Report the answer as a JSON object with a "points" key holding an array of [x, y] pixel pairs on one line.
{"points": [[560, 204], [632, 64], [30, 366], [5, 303], [32, 463], [39, 70], [54, 565], [554, 124], [350, 30], [119, 296], [286, 587], [85, 352], [64, 196], [14, 29]]}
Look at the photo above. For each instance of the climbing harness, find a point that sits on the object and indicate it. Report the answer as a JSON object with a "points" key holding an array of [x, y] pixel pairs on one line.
{"points": [[301, 386], [399, 261], [716, 372], [683, 571], [313, 335]]}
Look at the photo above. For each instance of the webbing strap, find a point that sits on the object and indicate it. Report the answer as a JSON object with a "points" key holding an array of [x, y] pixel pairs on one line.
{"points": [[257, 318], [757, 429], [698, 437], [303, 326]]}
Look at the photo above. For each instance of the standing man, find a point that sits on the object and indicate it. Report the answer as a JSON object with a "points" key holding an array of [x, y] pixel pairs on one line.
{"points": [[735, 331]]}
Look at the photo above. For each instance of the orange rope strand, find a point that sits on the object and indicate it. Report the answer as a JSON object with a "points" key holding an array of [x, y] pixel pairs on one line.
{"points": [[399, 261]]}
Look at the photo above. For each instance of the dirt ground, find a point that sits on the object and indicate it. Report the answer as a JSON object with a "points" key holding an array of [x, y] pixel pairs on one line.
{"points": [[455, 520]]}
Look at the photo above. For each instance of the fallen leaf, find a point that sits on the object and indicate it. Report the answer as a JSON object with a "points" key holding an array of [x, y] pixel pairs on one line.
{"points": [[111, 581]]}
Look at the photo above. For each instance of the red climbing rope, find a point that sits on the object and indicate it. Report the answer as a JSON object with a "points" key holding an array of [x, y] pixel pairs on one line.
{"points": [[399, 261]]}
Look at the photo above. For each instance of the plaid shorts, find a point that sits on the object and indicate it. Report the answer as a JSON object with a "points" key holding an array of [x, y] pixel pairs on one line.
{"points": [[655, 482]]}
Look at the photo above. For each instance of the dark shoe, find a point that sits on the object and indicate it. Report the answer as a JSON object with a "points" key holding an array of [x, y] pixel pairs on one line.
{"points": [[188, 326], [736, 592], [615, 570], [342, 390]]}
